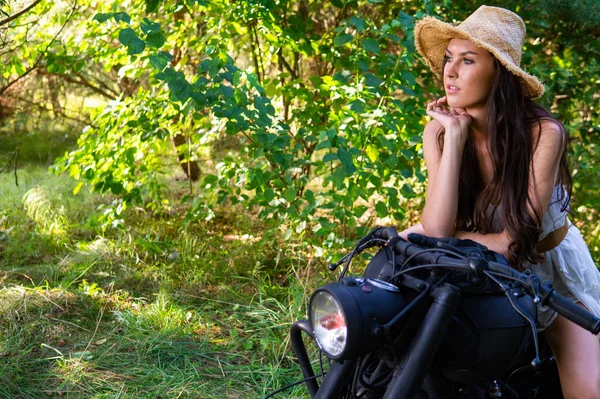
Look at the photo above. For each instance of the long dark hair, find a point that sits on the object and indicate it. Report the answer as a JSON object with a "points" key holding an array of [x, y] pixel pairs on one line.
{"points": [[512, 117]]}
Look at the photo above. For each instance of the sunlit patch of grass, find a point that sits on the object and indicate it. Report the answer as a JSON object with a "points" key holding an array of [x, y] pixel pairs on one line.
{"points": [[156, 309], [48, 220]]}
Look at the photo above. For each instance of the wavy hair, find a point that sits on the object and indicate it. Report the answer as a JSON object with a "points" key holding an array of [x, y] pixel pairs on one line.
{"points": [[512, 117]]}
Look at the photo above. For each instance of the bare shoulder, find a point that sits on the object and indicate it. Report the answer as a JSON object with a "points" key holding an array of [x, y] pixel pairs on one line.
{"points": [[549, 133]]}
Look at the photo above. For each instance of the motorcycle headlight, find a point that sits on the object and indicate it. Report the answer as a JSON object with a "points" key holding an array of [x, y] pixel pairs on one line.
{"points": [[329, 323], [347, 317]]}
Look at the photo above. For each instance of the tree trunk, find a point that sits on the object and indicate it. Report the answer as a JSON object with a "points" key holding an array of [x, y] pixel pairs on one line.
{"points": [[190, 168]]}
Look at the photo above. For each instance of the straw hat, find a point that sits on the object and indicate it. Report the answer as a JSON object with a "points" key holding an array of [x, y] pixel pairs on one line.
{"points": [[499, 31]]}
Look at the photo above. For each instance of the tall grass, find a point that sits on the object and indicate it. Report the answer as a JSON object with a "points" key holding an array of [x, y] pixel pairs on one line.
{"points": [[153, 310], [49, 220]]}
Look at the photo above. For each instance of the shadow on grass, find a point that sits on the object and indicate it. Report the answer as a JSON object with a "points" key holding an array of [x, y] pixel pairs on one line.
{"points": [[152, 310]]}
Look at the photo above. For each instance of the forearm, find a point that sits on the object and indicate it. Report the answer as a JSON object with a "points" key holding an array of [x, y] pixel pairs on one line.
{"points": [[439, 215], [497, 242]]}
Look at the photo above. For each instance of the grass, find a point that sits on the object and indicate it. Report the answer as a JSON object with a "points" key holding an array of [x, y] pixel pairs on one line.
{"points": [[149, 311]]}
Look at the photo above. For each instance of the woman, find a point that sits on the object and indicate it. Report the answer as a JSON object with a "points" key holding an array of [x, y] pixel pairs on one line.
{"points": [[497, 174]]}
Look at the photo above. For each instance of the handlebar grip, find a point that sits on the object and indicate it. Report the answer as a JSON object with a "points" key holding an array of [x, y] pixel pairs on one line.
{"points": [[388, 233], [572, 311]]}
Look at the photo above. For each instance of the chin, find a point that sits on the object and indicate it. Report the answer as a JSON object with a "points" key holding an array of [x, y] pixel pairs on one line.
{"points": [[455, 103]]}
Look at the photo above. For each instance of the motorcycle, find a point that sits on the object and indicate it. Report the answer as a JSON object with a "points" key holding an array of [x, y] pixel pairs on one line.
{"points": [[448, 319]]}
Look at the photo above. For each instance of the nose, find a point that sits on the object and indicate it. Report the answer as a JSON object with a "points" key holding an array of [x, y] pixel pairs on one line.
{"points": [[450, 70]]}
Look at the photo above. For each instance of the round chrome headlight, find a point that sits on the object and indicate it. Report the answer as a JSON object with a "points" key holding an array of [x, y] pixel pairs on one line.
{"points": [[329, 323], [347, 316]]}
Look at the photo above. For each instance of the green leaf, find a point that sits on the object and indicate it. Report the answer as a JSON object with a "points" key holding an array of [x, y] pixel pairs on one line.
{"points": [[346, 160], [122, 16], [357, 105], [116, 188], [155, 40], [371, 45], [240, 97], [152, 5], [134, 44], [406, 21], [290, 195], [103, 17], [342, 39], [338, 178], [160, 60], [332, 156], [372, 80], [77, 188], [372, 152], [381, 209], [148, 26], [407, 191], [210, 179], [363, 64], [408, 77], [407, 90], [358, 22]]}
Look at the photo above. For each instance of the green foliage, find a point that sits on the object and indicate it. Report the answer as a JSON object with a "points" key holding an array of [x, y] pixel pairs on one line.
{"points": [[324, 103], [316, 147], [307, 113], [121, 153]]}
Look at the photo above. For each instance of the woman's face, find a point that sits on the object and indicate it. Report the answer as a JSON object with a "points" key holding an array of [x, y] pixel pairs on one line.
{"points": [[468, 74]]}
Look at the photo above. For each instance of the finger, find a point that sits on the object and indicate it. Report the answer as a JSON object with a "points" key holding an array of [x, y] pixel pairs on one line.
{"points": [[433, 114], [453, 111]]}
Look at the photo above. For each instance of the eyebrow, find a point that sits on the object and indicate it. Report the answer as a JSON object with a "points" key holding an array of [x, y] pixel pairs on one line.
{"points": [[463, 53]]}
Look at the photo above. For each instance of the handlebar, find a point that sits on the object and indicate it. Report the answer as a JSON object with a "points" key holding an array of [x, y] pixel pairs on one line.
{"points": [[573, 312], [563, 306]]}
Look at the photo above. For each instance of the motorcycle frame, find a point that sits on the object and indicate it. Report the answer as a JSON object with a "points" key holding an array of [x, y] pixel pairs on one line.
{"points": [[413, 366]]}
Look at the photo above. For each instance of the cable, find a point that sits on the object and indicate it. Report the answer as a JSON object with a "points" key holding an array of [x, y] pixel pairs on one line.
{"points": [[505, 276], [343, 272], [410, 269], [321, 361], [293, 385]]}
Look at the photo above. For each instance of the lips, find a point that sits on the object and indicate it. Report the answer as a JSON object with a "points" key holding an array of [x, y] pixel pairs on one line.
{"points": [[452, 89]]}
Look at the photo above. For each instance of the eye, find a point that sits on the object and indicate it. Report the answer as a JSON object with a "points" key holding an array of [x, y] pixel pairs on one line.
{"points": [[447, 59], [468, 61]]}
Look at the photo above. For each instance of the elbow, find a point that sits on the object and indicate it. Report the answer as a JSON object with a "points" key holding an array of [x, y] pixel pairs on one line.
{"points": [[438, 231]]}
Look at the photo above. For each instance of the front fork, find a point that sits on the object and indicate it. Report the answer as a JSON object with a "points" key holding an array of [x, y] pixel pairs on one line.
{"points": [[415, 365], [409, 376]]}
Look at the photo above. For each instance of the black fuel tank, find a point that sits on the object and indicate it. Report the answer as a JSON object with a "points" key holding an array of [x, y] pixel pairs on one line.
{"points": [[486, 337]]}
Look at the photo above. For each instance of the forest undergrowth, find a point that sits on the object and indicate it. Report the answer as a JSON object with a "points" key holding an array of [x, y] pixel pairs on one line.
{"points": [[150, 310]]}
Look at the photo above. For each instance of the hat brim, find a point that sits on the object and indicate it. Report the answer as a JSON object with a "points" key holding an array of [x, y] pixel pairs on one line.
{"points": [[431, 40]]}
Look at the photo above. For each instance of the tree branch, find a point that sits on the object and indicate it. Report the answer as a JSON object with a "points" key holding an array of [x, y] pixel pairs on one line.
{"points": [[45, 109], [285, 63], [84, 83], [35, 65], [101, 83], [17, 15]]}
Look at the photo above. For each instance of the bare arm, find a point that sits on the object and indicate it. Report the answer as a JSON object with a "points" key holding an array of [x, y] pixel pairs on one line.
{"points": [[443, 170], [543, 175], [439, 214]]}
